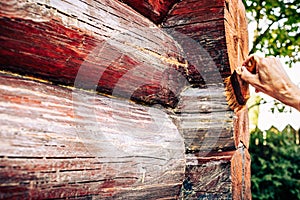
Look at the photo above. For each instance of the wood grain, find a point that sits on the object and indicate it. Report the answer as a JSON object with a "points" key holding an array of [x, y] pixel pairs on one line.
{"points": [[155, 10], [59, 143], [101, 45], [220, 30]]}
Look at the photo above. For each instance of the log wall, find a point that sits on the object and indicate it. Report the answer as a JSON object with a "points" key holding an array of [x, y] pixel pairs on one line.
{"points": [[150, 119]]}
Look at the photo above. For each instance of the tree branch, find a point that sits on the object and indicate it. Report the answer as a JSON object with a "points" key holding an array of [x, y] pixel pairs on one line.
{"points": [[258, 39]]}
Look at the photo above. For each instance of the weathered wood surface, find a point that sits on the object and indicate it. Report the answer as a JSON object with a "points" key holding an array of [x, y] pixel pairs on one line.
{"points": [[203, 119], [209, 176], [220, 28], [155, 10], [236, 31], [109, 47], [59, 143], [109, 42], [102, 44], [241, 174]]}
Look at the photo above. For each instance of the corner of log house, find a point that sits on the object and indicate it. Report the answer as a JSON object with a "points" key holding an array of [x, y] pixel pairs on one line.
{"points": [[121, 100]]}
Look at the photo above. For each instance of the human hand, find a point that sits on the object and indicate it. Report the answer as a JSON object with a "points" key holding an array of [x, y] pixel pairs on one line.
{"points": [[270, 78]]}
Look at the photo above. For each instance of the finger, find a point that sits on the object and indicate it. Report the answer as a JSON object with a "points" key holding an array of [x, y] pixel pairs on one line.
{"points": [[252, 79], [248, 76]]}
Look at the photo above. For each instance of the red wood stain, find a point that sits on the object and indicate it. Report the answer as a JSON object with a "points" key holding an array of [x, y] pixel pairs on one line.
{"points": [[116, 70], [156, 94], [43, 49], [202, 21], [155, 10], [51, 51]]}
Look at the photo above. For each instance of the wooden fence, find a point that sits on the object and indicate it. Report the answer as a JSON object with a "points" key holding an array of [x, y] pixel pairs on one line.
{"points": [[262, 137]]}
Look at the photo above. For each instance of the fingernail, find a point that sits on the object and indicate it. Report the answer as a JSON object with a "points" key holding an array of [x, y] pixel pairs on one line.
{"points": [[238, 70]]}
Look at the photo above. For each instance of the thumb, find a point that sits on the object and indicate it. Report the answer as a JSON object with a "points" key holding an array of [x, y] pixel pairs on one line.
{"points": [[248, 76]]}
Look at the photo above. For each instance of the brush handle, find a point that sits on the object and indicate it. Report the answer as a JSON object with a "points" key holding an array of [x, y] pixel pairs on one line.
{"points": [[251, 65]]}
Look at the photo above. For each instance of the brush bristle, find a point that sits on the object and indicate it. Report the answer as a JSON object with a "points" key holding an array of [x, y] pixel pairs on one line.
{"points": [[230, 96]]}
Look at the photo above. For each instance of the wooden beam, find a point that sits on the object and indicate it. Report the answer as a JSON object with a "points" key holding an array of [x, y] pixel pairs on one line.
{"points": [[66, 143], [155, 10], [102, 45]]}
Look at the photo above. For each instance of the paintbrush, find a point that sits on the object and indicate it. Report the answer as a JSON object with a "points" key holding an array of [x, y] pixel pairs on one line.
{"points": [[237, 90]]}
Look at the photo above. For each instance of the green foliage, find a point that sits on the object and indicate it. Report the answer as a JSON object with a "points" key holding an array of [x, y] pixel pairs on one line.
{"points": [[275, 159], [277, 27], [275, 165]]}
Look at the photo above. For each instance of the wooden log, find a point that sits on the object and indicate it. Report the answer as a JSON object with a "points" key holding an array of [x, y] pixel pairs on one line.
{"points": [[241, 128], [209, 176], [223, 175], [241, 174], [103, 45], [203, 119], [66, 143], [155, 10]]}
